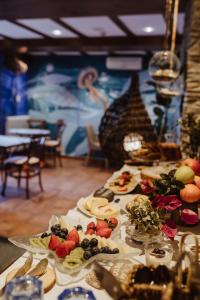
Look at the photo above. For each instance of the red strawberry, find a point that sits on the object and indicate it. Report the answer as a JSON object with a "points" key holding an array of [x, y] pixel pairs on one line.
{"points": [[63, 249], [126, 176], [54, 242], [104, 232], [70, 244], [91, 225], [73, 236], [112, 222], [101, 224], [90, 231]]}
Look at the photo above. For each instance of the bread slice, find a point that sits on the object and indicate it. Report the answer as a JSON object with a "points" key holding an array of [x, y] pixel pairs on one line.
{"points": [[48, 278]]}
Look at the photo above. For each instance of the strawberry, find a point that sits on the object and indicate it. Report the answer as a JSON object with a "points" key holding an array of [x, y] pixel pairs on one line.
{"points": [[101, 224], [112, 222], [90, 231], [91, 225], [104, 232], [126, 175], [63, 249], [54, 242], [73, 236], [70, 244]]}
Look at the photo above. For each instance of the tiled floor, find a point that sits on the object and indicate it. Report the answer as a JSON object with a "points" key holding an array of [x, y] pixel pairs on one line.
{"points": [[63, 188]]}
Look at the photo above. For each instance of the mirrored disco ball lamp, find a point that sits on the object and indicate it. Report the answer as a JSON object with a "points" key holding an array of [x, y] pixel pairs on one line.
{"points": [[132, 142], [164, 66]]}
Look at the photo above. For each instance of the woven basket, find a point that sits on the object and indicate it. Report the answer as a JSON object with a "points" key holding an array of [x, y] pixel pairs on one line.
{"points": [[126, 114]]}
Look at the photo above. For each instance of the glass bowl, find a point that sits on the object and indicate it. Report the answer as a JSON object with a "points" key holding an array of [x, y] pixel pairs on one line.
{"points": [[158, 253], [76, 293]]}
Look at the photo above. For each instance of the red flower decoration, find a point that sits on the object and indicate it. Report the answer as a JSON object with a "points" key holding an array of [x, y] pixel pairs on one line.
{"points": [[168, 203], [169, 229], [189, 217], [147, 186]]}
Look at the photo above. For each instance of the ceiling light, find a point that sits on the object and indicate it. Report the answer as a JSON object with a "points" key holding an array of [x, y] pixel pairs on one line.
{"points": [[57, 32], [148, 29]]}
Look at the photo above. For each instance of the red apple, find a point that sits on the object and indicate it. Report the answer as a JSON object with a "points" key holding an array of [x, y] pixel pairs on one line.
{"points": [[197, 181], [193, 164]]}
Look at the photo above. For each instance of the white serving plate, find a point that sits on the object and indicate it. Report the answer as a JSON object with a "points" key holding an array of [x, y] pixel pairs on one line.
{"points": [[81, 207]]}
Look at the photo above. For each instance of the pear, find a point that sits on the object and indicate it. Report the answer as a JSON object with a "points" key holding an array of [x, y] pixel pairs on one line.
{"points": [[184, 174]]}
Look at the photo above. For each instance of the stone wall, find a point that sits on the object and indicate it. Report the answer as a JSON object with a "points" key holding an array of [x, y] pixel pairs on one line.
{"points": [[191, 104], [192, 84]]}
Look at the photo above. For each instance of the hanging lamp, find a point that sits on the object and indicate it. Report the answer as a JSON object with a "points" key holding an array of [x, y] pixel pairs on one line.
{"points": [[164, 66]]}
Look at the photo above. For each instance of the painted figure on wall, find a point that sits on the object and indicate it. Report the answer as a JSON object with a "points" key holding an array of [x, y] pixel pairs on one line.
{"points": [[79, 95], [86, 79]]}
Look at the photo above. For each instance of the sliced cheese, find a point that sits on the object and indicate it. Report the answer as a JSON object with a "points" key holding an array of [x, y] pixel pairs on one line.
{"points": [[92, 201]]}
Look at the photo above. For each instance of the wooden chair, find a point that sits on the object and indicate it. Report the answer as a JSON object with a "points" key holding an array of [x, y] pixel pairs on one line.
{"points": [[94, 146], [53, 146], [25, 166], [36, 123]]}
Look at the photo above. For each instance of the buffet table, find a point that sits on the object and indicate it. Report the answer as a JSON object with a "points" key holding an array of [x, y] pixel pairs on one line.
{"points": [[137, 255]]}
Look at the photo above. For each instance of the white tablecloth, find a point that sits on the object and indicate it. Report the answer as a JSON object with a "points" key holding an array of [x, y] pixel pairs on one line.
{"points": [[57, 289]]}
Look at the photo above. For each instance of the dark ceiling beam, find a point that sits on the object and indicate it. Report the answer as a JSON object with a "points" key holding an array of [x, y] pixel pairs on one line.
{"points": [[103, 43], [19, 9], [118, 22], [63, 24], [29, 28]]}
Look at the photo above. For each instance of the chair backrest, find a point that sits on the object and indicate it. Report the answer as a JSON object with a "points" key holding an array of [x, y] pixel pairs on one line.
{"points": [[61, 127], [56, 129], [36, 123], [91, 136], [36, 148]]}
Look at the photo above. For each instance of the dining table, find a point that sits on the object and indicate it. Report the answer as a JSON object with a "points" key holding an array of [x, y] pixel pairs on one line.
{"points": [[8, 142], [62, 283], [29, 132]]}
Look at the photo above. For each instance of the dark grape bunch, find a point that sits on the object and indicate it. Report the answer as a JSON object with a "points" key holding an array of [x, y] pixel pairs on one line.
{"points": [[167, 184], [91, 248], [58, 231]]}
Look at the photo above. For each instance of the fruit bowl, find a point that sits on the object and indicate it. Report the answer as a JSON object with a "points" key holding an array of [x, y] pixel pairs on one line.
{"points": [[76, 270], [73, 247]]}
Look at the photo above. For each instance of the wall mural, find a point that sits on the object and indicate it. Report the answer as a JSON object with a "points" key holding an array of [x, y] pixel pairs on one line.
{"points": [[13, 100], [78, 95], [78, 90]]}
